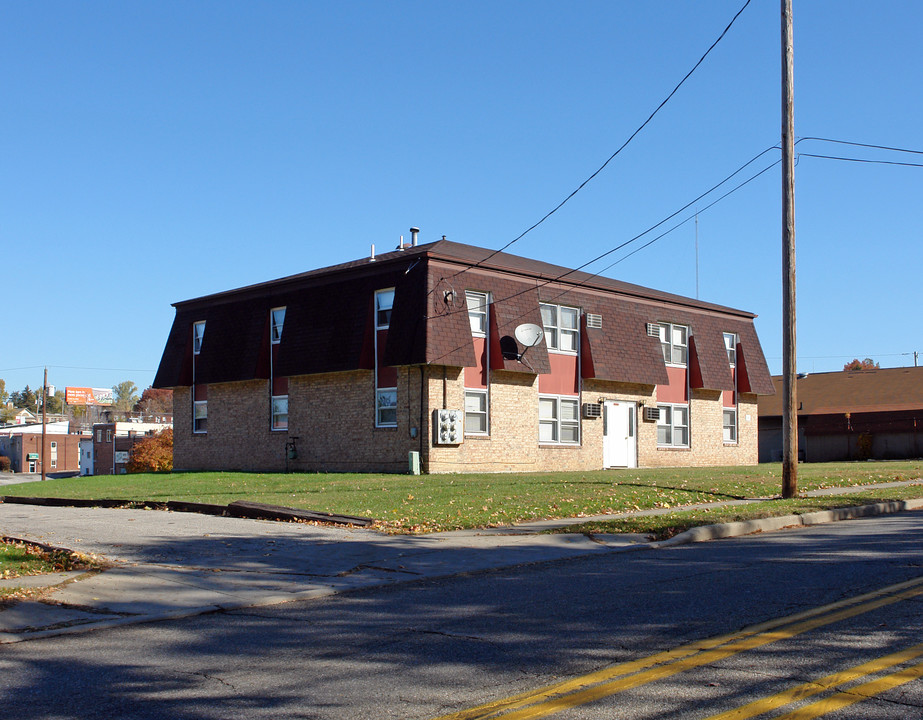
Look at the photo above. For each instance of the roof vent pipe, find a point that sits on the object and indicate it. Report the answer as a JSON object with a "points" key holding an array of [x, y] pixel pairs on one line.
{"points": [[401, 244], [414, 231], [372, 259]]}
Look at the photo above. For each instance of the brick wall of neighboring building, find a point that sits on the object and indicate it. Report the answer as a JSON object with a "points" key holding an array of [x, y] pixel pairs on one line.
{"points": [[62, 452]]}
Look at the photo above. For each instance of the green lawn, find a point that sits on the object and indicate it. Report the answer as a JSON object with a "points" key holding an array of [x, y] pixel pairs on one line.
{"points": [[444, 502]]}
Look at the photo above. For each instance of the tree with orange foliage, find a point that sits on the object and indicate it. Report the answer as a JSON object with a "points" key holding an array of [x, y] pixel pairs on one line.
{"points": [[153, 453], [857, 364]]}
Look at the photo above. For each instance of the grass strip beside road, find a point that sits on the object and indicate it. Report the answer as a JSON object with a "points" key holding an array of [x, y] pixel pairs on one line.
{"points": [[428, 503], [18, 559]]}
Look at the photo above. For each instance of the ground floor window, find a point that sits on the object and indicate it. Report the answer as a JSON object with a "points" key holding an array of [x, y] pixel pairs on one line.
{"points": [[200, 416], [280, 412], [673, 426], [558, 419], [476, 412], [386, 407], [730, 425]]}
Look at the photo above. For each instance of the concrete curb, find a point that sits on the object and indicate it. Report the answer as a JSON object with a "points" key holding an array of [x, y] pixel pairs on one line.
{"points": [[748, 527]]}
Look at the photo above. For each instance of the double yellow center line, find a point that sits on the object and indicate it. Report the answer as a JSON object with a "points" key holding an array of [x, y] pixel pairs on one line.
{"points": [[623, 676]]}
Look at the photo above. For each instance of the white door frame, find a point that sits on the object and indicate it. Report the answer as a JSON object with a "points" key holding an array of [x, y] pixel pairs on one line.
{"points": [[620, 433]]}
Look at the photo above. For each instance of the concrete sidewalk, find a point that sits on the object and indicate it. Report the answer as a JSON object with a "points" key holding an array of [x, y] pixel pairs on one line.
{"points": [[171, 564]]}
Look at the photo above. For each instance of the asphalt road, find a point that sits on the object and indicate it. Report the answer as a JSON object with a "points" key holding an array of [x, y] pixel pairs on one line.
{"points": [[438, 648]]}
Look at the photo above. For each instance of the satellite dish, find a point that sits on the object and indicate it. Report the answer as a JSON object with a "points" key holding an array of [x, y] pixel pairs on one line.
{"points": [[529, 334]]}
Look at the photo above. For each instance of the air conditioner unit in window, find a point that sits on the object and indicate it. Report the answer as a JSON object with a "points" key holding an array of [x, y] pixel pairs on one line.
{"points": [[592, 410], [653, 330], [652, 414], [448, 427]]}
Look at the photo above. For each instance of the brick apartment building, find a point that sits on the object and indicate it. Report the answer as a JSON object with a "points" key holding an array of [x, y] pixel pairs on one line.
{"points": [[427, 353], [24, 449]]}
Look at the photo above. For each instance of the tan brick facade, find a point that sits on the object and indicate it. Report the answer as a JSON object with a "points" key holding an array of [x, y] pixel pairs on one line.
{"points": [[333, 417]]}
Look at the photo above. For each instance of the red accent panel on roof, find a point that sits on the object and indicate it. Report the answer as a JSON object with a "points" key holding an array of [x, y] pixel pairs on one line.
{"points": [[476, 377], [563, 379], [675, 391]]}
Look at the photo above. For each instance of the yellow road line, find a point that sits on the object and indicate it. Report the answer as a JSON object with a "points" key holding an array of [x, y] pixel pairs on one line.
{"points": [[594, 686], [856, 694], [806, 690]]}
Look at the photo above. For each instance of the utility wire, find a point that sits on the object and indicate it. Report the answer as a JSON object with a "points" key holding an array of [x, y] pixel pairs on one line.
{"points": [[860, 160], [613, 155], [865, 145]]}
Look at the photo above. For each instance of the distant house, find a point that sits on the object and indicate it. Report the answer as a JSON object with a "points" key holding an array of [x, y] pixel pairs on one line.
{"points": [[857, 415], [460, 359]]}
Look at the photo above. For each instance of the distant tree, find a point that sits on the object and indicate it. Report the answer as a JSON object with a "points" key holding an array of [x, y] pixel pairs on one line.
{"points": [[156, 401], [125, 396], [867, 364], [4, 395], [153, 454], [24, 399], [56, 402]]}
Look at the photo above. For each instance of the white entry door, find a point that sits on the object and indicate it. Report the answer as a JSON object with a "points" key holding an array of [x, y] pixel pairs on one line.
{"points": [[620, 442]]}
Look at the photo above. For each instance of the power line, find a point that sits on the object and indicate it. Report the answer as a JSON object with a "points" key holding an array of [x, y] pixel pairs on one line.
{"points": [[865, 145], [860, 160], [613, 155]]}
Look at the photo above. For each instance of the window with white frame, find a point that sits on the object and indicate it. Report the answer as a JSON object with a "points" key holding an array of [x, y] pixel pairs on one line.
{"points": [[386, 407], [280, 412], [558, 420], [674, 340], [277, 320], [198, 334], [200, 416], [673, 426], [561, 324], [477, 312], [476, 412], [108, 436], [384, 301], [730, 425], [730, 344]]}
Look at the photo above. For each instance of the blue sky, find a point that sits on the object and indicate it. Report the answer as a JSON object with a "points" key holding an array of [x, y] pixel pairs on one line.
{"points": [[156, 152]]}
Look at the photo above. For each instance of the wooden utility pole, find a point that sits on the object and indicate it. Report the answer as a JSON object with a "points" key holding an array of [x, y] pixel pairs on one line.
{"points": [[789, 355]]}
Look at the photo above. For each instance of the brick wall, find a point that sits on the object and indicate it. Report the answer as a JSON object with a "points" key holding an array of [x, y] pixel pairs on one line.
{"points": [[333, 416]]}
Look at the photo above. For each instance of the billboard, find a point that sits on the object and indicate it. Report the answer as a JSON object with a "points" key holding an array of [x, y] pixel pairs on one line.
{"points": [[88, 396]]}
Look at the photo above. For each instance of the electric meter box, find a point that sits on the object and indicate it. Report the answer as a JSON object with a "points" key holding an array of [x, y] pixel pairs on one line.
{"points": [[448, 427]]}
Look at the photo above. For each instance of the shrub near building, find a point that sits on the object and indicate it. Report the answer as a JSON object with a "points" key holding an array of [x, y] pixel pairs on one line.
{"points": [[153, 454]]}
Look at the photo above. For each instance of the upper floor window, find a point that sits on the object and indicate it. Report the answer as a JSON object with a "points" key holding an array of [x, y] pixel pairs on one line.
{"points": [[198, 333], [477, 312], [384, 300], [561, 327], [674, 340], [277, 319], [730, 344]]}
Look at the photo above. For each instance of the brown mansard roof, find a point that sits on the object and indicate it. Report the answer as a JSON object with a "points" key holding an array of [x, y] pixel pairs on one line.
{"points": [[329, 321], [857, 391]]}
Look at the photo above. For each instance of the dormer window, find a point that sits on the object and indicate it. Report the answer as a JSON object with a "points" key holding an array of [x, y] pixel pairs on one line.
{"points": [[277, 319], [561, 327], [477, 312], [198, 333], [384, 300], [674, 340], [730, 344]]}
